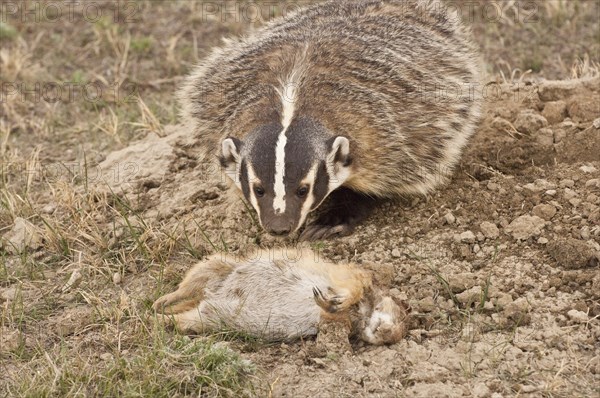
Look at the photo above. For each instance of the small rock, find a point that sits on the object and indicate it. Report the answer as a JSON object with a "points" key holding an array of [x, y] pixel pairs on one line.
{"points": [[556, 90], [9, 294], [480, 390], [503, 300], [480, 237], [528, 122], [396, 253], [569, 194], [566, 183], [426, 305], [588, 169], [545, 137], [449, 218], [476, 248], [503, 125], [542, 241], [596, 283], [545, 211], [559, 135], [489, 230], [539, 185], [472, 295], [568, 123], [467, 237], [517, 309], [464, 251], [585, 233], [524, 227], [461, 281], [584, 107], [492, 186], [70, 321], [551, 192], [23, 235], [555, 111], [594, 182], [107, 356], [528, 389], [577, 316], [49, 209], [572, 253], [597, 123], [11, 339], [575, 202], [117, 279]]}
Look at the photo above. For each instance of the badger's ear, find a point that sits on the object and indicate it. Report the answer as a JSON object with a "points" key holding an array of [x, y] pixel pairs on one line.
{"points": [[230, 151], [230, 158], [338, 161], [339, 151]]}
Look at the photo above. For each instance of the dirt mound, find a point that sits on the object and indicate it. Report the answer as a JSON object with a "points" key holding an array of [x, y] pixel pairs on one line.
{"points": [[500, 267], [539, 125]]}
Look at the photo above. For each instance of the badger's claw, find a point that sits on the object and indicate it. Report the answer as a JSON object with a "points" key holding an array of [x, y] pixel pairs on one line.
{"points": [[320, 232], [328, 303], [343, 212]]}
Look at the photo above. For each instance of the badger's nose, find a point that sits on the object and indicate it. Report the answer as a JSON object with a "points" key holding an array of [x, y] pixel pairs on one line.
{"points": [[280, 231], [279, 228]]}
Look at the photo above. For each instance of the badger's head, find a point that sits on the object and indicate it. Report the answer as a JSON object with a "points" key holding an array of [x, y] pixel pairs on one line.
{"points": [[285, 173]]}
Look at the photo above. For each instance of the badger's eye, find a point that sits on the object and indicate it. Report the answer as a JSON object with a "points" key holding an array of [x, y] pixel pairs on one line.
{"points": [[302, 191], [259, 191]]}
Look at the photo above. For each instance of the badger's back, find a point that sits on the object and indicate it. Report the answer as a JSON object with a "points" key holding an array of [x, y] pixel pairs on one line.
{"points": [[399, 78]]}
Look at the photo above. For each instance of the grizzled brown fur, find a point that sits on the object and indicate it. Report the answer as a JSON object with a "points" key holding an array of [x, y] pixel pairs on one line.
{"points": [[375, 71]]}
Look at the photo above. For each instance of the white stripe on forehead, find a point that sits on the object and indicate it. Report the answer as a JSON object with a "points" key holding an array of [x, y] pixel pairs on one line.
{"points": [[289, 94]]}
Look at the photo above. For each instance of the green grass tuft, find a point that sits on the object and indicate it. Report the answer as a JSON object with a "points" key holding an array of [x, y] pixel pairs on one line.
{"points": [[7, 32], [163, 367], [141, 45]]}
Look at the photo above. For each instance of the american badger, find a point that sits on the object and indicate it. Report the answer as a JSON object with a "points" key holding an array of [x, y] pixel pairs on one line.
{"points": [[283, 297], [355, 99]]}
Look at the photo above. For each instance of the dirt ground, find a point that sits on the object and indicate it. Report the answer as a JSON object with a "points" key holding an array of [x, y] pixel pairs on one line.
{"points": [[104, 205]]}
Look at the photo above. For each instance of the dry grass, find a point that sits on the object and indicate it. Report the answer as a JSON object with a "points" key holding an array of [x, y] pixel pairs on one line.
{"points": [[75, 319], [546, 37]]}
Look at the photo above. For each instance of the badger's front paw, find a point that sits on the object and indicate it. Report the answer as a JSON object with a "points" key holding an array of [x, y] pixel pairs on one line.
{"points": [[343, 212], [321, 232]]}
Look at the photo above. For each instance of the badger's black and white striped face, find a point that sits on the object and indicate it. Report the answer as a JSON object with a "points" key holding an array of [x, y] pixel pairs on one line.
{"points": [[285, 172]]}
